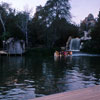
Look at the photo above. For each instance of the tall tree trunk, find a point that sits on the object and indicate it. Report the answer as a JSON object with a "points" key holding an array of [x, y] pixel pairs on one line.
{"points": [[26, 38], [3, 25], [4, 30]]}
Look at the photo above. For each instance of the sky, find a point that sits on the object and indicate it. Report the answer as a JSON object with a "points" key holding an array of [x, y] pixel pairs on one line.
{"points": [[79, 8]]}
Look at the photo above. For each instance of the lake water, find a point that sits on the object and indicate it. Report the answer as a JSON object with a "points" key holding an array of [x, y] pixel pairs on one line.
{"points": [[23, 78]]}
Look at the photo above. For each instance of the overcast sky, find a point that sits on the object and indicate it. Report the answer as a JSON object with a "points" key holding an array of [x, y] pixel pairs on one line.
{"points": [[79, 8]]}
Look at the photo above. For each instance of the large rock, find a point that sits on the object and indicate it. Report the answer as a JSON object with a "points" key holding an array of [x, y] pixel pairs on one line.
{"points": [[88, 22], [15, 46]]}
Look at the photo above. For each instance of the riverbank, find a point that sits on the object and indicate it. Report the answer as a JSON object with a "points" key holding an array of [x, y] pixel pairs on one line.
{"points": [[91, 46], [41, 51], [45, 52]]}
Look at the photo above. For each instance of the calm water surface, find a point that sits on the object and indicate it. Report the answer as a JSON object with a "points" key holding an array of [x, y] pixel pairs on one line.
{"points": [[23, 78]]}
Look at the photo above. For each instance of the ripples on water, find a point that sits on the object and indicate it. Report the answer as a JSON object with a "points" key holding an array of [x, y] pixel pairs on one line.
{"points": [[23, 78]]}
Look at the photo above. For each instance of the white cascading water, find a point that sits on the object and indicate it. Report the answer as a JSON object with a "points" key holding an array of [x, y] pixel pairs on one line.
{"points": [[74, 44]]}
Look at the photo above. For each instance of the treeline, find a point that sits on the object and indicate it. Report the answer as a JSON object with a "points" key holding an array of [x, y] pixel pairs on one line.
{"points": [[93, 45], [50, 26]]}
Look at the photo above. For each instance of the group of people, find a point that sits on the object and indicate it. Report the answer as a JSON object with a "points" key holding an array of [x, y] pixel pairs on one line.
{"points": [[62, 53]]}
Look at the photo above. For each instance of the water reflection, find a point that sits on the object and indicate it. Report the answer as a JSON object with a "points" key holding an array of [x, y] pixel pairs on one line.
{"points": [[23, 78]]}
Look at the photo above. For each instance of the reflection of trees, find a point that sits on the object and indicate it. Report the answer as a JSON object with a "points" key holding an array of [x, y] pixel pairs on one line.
{"points": [[82, 73], [90, 66], [20, 68], [34, 65], [1, 70], [50, 76], [66, 74], [11, 68], [53, 74], [95, 65]]}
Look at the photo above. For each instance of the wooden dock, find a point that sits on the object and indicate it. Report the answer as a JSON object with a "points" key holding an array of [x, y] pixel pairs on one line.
{"points": [[91, 93]]}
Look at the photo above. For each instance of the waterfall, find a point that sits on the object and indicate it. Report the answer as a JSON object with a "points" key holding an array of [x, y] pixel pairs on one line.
{"points": [[74, 44]]}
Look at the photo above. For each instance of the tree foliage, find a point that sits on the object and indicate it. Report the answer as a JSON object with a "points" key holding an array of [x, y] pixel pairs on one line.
{"points": [[13, 23], [49, 27], [51, 23], [54, 9], [96, 31]]}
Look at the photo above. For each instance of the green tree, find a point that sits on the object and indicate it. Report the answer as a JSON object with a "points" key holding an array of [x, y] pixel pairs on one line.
{"points": [[22, 19], [4, 12], [51, 21], [37, 32], [54, 9], [96, 31]]}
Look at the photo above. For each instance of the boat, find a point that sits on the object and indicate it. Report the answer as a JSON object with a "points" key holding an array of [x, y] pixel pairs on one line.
{"points": [[62, 53]]}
